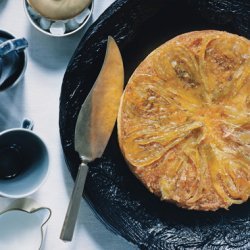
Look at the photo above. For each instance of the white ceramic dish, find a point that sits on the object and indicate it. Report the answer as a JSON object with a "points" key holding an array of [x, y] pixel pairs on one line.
{"points": [[23, 225], [36, 25]]}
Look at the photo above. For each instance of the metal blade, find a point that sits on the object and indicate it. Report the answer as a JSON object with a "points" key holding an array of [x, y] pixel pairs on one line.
{"points": [[98, 113]]}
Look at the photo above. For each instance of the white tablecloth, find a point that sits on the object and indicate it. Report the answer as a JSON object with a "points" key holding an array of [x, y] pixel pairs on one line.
{"points": [[37, 97]]}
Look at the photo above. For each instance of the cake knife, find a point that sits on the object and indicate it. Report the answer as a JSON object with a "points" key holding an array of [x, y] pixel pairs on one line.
{"points": [[94, 126]]}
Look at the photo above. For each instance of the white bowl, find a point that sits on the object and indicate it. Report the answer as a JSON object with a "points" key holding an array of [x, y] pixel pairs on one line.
{"points": [[35, 24]]}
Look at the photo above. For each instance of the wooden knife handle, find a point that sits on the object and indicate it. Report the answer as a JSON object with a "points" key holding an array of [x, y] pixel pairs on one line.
{"points": [[74, 204]]}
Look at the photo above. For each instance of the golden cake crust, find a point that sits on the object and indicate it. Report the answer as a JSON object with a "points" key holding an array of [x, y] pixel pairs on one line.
{"points": [[184, 120]]}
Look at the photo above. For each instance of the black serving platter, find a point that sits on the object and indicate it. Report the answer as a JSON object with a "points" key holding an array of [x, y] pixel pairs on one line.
{"points": [[116, 196]]}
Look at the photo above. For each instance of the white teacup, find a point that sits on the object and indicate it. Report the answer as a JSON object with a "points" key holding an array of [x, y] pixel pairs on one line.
{"points": [[24, 161]]}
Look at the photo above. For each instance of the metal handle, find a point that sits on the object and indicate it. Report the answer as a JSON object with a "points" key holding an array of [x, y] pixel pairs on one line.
{"points": [[8, 46], [74, 204]]}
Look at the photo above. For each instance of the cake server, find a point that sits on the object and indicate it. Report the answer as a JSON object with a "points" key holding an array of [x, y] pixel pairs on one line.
{"points": [[94, 126]]}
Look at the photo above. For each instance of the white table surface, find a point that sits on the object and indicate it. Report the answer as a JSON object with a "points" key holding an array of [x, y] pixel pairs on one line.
{"points": [[37, 97]]}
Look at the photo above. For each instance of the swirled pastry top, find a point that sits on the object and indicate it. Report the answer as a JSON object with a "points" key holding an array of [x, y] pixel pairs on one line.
{"points": [[59, 9], [184, 120]]}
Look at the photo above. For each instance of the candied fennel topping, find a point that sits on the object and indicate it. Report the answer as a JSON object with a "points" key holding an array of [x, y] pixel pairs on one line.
{"points": [[184, 121]]}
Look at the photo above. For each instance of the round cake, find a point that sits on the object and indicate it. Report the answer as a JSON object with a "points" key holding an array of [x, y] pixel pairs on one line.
{"points": [[184, 120]]}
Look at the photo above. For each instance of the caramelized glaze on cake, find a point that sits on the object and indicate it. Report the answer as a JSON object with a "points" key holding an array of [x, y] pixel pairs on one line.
{"points": [[184, 120]]}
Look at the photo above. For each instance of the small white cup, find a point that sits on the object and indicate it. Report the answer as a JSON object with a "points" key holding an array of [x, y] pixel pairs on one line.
{"points": [[24, 161]]}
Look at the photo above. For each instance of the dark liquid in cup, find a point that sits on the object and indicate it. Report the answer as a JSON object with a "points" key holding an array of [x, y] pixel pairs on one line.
{"points": [[11, 162]]}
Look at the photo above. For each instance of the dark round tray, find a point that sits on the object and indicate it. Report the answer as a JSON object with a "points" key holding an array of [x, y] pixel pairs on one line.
{"points": [[116, 196]]}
